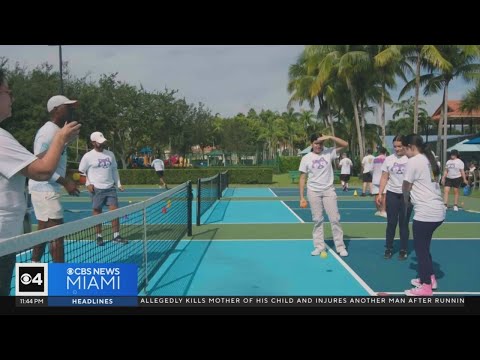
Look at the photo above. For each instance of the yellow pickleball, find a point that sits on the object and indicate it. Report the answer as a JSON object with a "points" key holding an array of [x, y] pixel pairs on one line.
{"points": [[76, 176], [323, 254], [169, 203]]}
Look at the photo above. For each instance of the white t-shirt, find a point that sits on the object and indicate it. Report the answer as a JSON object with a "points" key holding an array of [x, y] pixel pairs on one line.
{"points": [[425, 194], [42, 143], [453, 168], [377, 169], [158, 165], [319, 169], [100, 168], [367, 163], [395, 167], [346, 165], [13, 158]]}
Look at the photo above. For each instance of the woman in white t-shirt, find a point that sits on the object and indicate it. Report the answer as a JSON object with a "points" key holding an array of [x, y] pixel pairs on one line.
{"points": [[17, 163], [452, 177], [320, 191], [393, 169], [421, 188]]}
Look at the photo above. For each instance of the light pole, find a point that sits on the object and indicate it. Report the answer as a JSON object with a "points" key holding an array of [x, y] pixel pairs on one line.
{"points": [[61, 68]]}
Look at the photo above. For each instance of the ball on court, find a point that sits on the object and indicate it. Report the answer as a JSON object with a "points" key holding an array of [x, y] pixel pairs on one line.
{"points": [[76, 176], [323, 254], [169, 203], [303, 204], [130, 201]]}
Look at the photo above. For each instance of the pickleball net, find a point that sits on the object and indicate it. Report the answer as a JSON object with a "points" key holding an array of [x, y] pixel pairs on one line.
{"points": [[151, 228]]}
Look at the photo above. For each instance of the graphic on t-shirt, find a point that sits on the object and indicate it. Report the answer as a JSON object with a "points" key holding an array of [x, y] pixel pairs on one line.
{"points": [[104, 163], [451, 165], [398, 168], [319, 164]]}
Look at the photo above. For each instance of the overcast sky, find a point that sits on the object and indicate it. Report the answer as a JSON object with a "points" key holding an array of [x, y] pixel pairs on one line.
{"points": [[227, 79]]}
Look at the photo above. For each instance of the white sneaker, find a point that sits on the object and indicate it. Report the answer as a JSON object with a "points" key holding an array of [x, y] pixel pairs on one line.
{"points": [[455, 208], [315, 252], [383, 214], [343, 253], [377, 213]]}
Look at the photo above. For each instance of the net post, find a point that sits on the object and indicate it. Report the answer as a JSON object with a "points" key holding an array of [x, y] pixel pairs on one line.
{"points": [[189, 208], [219, 191], [198, 202]]}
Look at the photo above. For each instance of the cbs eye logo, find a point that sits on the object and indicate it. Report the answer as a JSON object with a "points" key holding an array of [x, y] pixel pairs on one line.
{"points": [[31, 279]]}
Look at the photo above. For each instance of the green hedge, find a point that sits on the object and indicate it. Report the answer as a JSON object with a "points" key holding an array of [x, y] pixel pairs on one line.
{"points": [[289, 163], [244, 175]]}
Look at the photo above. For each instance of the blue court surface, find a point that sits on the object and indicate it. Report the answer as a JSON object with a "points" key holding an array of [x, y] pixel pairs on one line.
{"points": [[249, 192], [294, 191], [253, 268], [363, 212], [455, 263], [256, 212], [266, 212]]}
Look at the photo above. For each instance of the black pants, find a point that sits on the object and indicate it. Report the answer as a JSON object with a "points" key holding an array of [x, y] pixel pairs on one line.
{"points": [[396, 215], [422, 237]]}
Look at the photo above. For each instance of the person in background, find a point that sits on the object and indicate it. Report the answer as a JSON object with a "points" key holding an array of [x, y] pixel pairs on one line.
{"points": [[376, 175], [46, 194], [452, 177], [320, 191], [100, 167], [423, 191], [367, 168], [470, 173], [346, 169], [17, 163], [393, 169], [159, 166]]}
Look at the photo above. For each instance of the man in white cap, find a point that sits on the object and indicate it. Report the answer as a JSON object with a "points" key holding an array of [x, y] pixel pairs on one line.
{"points": [[100, 167], [46, 194]]}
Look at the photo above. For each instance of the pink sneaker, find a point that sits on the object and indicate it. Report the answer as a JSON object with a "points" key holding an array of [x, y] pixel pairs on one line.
{"points": [[422, 290], [416, 282]]}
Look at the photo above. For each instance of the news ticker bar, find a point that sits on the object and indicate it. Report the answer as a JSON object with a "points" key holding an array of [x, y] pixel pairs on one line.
{"points": [[240, 301]]}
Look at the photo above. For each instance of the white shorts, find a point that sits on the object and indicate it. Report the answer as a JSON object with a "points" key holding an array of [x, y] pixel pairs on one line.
{"points": [[376, 189], [47, 205]]}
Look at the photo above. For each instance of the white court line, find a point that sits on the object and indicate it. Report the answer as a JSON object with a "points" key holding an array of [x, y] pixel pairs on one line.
{"points": [[472, 211], [353, 273], [275, 195], [334, 254], [293, 212]]}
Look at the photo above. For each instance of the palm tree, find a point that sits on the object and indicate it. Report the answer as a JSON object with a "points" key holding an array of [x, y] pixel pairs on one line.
{"points": [[420, 56], [471, 101], [387, 66], [463, 60], [345, 62]]}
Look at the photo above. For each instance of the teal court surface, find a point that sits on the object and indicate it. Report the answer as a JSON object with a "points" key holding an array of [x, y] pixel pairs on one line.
{"points": [[257, 241]]}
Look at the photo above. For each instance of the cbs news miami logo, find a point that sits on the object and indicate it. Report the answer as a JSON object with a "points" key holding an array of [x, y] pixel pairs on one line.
{"points": [[36, 279]]}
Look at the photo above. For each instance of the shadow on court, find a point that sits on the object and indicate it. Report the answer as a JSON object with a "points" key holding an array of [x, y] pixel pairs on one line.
{"points": [[180, 272]]}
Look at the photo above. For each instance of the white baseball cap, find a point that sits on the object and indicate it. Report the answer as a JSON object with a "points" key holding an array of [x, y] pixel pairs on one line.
{"points": [[98, 137], [57, 100]]}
